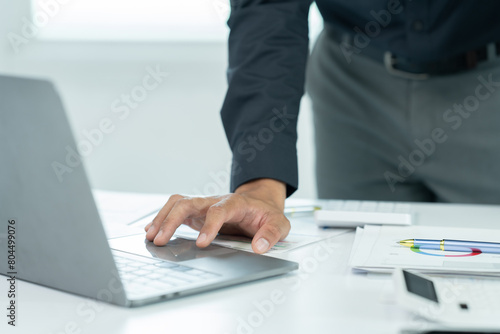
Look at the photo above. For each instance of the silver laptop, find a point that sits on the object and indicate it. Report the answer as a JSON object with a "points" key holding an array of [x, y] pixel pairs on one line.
{"points": [[51, 225]]}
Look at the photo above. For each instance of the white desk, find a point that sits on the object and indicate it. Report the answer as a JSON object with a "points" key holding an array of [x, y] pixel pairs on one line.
{"points": [[323, 296]]}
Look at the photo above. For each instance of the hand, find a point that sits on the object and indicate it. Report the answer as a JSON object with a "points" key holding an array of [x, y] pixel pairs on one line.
{"points": [[255, 210]]}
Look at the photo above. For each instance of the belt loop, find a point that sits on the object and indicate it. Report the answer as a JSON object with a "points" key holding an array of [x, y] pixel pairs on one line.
{"points": [[390, 61]]}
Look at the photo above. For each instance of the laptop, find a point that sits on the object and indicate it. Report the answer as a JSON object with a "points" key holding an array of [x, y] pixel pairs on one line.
{"points": [[452, 301], [53, 230]]}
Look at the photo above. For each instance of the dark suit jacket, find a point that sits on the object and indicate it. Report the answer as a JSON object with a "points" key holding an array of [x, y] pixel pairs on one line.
{"points": [[268, 49]]}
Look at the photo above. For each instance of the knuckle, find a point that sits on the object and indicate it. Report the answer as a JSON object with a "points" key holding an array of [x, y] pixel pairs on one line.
{"points": [[183, 203], [216, 210], [286, 225], [286, 230], [198, 202], [274, 230], [176, 197], [236, 198], [280, 227]]}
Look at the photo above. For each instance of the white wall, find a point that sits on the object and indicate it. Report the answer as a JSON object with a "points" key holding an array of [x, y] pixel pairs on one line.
{"points": [[174, 141]]}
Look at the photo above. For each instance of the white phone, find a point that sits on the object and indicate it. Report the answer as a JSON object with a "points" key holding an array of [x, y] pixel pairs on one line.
{"points": [[456, 301]]}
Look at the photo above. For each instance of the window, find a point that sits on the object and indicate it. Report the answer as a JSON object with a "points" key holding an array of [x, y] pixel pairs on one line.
{"points": [[133, 20]]}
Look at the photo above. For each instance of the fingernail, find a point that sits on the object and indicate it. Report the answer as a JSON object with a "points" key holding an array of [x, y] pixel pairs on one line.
{"points": [[262, 245], [148, 226], [159, 234], [202, 237], [149, 233]]}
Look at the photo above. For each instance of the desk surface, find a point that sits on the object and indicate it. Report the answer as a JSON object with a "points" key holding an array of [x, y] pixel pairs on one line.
{"points": [[323, 296]]}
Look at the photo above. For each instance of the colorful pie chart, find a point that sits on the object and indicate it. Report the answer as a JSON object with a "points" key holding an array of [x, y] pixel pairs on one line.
{"points": [[416, 249]]}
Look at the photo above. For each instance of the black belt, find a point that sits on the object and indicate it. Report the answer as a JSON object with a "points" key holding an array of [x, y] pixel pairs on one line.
{"points": [[406, 68]]}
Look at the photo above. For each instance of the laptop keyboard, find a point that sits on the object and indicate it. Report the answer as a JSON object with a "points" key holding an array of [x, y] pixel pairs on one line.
{"points": [[143, 276]]}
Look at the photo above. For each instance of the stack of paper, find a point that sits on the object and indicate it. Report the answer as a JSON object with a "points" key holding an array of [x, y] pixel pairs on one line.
{"points": [[377, 248]]}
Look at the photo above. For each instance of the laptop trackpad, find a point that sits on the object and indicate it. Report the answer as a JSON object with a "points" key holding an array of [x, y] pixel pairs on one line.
{"points": [[177, 249]]}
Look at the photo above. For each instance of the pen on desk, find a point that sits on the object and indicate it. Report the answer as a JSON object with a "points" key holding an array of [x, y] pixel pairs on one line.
{"points": [[453, 245], [301, 210]]}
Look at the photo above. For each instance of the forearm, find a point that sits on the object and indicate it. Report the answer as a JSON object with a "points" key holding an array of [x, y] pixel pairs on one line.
{"points": [[268, 49]]}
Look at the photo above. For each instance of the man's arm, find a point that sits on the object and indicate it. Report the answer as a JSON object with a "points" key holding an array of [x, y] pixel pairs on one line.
{"points": [[268, 48]]}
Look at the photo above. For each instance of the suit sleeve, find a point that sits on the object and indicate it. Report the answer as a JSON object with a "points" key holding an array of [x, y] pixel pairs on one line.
{"points": [[268, 49]]}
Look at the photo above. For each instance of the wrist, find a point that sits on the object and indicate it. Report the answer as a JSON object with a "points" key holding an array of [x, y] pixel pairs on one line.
{"points": [[266, 189]]}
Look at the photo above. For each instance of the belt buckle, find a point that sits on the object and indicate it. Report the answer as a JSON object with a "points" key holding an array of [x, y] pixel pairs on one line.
{"points": [[390, 61]]}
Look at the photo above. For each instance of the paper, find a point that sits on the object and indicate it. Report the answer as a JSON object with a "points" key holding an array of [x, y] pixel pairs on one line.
{"points": [[303, 232], [244, 243], [376, 248]]}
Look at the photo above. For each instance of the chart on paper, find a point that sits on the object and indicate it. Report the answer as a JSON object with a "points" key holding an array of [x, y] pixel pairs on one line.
{"points": [[378, 249]]}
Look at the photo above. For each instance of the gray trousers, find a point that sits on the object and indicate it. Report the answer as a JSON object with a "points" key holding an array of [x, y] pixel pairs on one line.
{"points": [[382, 137]]}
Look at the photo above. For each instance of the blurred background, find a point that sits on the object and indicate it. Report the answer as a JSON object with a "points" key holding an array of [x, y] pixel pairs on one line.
{"points": [[166, 139]]}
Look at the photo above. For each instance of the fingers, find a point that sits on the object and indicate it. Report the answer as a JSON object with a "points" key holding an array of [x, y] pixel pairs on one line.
{"points": [[184, 208], [153, 227], [209, 215], [218, 214], [274, 230]]}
